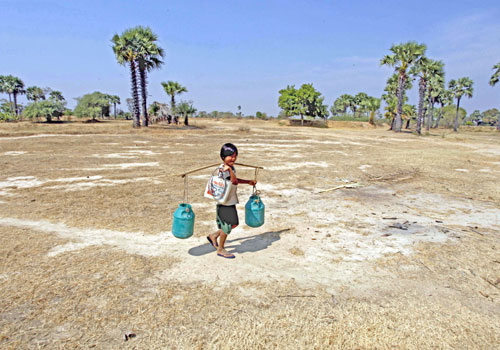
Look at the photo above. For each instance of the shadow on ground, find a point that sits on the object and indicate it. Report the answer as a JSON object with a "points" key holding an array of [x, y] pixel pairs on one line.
{"points": [[249, 244]]}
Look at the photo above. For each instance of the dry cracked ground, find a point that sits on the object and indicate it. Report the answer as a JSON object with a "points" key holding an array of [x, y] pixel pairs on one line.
{"points": [[372, 240]]}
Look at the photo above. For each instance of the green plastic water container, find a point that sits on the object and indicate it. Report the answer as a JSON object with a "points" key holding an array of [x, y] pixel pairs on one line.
{"points": [[183, 224], [254, 211]]}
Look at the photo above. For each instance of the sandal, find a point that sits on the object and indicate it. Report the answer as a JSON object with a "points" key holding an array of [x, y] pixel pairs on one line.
{"points": [[226, 255], [212, 243]]}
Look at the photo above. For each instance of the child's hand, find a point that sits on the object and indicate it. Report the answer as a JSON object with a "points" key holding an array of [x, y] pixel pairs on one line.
{"points": [[252, 182], [226, 167]]}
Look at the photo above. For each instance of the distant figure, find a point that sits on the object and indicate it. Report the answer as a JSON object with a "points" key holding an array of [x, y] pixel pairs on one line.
{"points": [[226, 215], [169, 119]]}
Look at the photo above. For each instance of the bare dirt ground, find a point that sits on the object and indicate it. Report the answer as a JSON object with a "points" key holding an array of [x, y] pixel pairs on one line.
{"points": [[409, 259]]}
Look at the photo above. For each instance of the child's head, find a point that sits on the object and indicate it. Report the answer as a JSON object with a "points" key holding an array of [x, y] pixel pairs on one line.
{"points": [[228, 153]]}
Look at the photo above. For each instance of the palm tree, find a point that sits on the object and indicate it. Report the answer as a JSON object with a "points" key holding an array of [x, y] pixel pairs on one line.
{"points": [[358, 101], [56, 96], [372, 104], [493, 80], [149, 57], [390, 97], [183, 108], [12, 86], [444, 98], [459, 88], [425, 69], [409, 112], [114, 100], [35, 93], [402, 58], [341, 104], [173, 88], [6, 87], [434, 89], [125, 48]]}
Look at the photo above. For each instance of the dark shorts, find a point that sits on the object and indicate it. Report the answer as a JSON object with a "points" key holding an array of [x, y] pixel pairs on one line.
{"points": [[227, 217]]}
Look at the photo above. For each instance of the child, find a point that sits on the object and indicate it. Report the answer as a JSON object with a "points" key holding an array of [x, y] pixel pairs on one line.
{"points": [[227, 216]]}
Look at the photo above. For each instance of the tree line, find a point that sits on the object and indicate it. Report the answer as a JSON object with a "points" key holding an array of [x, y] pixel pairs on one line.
{"points": [[410, 64]]}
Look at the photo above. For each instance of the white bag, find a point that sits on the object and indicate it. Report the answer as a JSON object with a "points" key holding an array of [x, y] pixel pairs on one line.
{"points": [[218, 188]]}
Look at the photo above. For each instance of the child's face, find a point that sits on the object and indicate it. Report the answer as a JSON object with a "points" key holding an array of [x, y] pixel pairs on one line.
{"points": [[230, 160]]}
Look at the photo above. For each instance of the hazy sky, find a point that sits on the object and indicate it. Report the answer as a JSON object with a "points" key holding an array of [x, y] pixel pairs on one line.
{"points": [[232, 52]]}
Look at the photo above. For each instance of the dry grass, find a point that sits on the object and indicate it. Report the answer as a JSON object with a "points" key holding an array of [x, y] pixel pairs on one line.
{"points": [[441, 296]]}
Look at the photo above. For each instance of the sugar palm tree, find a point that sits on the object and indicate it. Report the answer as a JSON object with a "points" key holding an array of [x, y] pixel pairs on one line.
{"points": [[341, 104], [35, 93], [12, 86], [459, 88], [149, 56], [125, 47], [372, 104], [114, 99], [390, 97], [358, 101], [403, 57], [434, 89], [493, 81], [56, 96], [6, 87], [173, 88], [425, 69], [444, 98], [409, 113]]}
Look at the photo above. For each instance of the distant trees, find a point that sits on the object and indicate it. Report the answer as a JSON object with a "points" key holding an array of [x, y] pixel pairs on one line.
{"points": [[341, 104], [403, 57], [306, 101], [47, 109], [113, 99], [186, 110], [493, 81], [372, 104], [13, 86], [459, 88], [35, 93], [173, 88], [93, 105]]}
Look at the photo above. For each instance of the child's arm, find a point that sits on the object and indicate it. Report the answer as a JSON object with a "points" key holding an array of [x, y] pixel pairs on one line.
{"points": [[250, 182], [234, 179]]}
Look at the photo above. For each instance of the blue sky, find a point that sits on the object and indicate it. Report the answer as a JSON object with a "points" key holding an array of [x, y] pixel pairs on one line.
{"points": [[230, 53]]}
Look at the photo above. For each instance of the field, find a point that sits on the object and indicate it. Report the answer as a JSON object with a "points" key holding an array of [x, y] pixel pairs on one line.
{"points": [[408, 258]]}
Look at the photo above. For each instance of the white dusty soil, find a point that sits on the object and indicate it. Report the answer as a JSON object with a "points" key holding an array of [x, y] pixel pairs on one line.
{"points": [[314, 239]]}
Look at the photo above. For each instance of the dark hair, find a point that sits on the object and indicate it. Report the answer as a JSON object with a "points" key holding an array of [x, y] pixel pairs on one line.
{"points": [[228, 149]]}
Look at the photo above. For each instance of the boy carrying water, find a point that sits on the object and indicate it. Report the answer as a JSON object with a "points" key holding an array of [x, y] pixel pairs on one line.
{"points": [[227, 216]]}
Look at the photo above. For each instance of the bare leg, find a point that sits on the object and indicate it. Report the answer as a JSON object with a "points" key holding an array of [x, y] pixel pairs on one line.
{"points": [[215, 235], [222, 240]]}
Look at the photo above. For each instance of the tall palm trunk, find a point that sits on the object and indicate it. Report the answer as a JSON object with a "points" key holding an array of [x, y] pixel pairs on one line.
{"points": [[10, 104], [172, 105], [430, 117], [135, 96], [114, 106], [498, 123], [144, 83], [421, 91], [186, 121], [455, 127], [439, 116], [398, 121], [372, 117], [301, 119], [15, 104]]}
